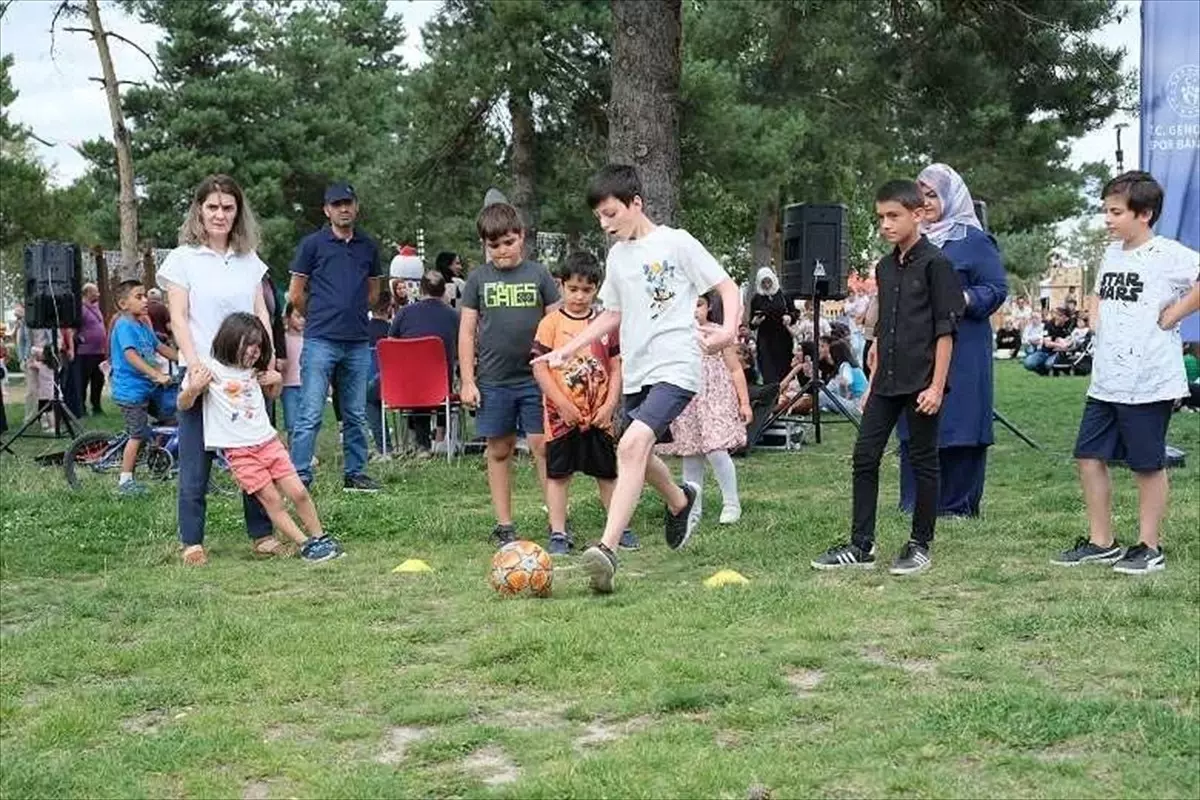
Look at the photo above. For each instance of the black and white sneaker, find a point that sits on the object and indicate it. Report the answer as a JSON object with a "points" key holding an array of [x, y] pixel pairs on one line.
{"points": [[678, 528], [601, 567], [360, 483], [1085, 551], [912, 558], [845, 555], [1141, 559]]}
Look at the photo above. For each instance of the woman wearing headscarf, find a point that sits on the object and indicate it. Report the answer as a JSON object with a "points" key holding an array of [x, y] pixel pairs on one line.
{"points": [[965, 430], [770, 318]]}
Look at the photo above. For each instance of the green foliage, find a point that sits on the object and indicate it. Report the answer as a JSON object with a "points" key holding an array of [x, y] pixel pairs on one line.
{"points": [[1027, 255]]}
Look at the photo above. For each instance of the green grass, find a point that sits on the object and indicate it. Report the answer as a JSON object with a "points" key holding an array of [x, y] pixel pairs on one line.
{"points": [[995, 674]]}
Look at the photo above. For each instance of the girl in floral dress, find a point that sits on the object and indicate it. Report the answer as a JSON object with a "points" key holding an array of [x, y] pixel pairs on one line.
{"points": [[715, 421]]}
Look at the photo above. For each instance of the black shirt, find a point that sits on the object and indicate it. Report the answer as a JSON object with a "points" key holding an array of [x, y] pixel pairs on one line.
{"points": [[920, 300]]}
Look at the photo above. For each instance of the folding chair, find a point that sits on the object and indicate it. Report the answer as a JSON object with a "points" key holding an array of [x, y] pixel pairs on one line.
{"points": [[414, 378]]}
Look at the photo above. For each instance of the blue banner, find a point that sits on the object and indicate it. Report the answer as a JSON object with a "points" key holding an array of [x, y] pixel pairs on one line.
{"points": [[1170, 116]]}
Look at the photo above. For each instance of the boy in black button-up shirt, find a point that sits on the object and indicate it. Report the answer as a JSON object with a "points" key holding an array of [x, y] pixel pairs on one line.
{"points": [[920, 302]]}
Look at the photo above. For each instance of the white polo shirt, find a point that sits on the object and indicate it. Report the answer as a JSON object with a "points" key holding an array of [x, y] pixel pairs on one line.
{"points": [[218, 284]]}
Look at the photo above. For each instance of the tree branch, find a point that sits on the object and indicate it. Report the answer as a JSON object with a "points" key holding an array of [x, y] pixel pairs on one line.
{"points": [[64, 9], [139, 48]]}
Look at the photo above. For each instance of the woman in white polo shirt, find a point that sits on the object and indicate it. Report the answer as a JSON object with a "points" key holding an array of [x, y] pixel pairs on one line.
{"points": [[213, 273]]}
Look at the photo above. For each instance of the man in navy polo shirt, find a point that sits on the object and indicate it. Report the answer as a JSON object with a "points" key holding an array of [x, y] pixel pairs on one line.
{"points": [[335, 279]]}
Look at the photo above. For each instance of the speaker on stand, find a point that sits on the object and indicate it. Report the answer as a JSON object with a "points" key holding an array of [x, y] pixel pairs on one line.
{"points": [[53, 273], [815, 267]]}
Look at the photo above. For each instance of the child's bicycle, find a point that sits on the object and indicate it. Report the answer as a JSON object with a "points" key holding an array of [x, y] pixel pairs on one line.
{"points": [[94, 459]]}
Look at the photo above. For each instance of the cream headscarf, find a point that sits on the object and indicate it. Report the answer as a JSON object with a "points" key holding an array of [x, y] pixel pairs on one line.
{"points": [[958, 210], [766, 282]]}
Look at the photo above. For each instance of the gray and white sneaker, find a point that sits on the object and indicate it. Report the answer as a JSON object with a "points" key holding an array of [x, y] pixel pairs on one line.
{"points": [[601, 566], [1085, 551], [1141, 559], [678, 528], [912, 558]]}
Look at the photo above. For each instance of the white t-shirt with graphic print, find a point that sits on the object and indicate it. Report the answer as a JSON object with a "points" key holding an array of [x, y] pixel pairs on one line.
{"points": [[1135, 361], [235, 412], [654, 282]]}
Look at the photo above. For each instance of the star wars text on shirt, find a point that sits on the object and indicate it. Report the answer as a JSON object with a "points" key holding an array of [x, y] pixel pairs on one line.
{"points": [[1125, 286]]}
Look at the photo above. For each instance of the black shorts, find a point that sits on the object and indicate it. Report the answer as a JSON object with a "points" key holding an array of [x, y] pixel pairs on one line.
{"points": [[656, 406], [1135, 434], [592, 452]]}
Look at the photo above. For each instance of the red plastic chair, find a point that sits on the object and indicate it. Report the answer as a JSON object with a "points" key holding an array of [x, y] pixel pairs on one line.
{"points": [[414, 378]]}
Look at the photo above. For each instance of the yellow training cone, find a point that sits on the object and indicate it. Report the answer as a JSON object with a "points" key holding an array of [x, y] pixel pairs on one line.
{"points": [[413, 565], [724, 578]]}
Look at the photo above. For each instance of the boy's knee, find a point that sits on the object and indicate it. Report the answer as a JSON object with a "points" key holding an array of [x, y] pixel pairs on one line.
{"points": [[500, 448], [636, 442]]}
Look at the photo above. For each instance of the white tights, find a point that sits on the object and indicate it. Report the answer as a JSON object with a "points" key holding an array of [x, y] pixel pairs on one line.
{"points": [[723, 469]]}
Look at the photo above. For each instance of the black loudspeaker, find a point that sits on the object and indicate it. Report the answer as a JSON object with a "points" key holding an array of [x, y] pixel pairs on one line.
{"points": [[981, 212], [53, 275], [816, 251]]}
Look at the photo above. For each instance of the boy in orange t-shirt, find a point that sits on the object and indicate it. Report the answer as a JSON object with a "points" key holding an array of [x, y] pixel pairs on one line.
{"points": [[579, 399]]}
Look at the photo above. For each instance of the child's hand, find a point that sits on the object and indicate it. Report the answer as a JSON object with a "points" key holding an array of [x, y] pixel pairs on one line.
{"points": [[604, 415], [162, 378], [929, 401], [554, 359], [199, 376], [746, 413], [569, 414], [269, 378]]}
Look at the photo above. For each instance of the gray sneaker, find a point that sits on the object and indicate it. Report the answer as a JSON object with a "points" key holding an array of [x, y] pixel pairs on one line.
{"points": [[1084, 551], [912, 558], [132, 488], [601, 566], [1141, 559]]}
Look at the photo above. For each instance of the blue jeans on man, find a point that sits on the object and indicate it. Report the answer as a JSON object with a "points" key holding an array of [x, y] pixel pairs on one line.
{"points": [[1040, 361], [348, 363]]}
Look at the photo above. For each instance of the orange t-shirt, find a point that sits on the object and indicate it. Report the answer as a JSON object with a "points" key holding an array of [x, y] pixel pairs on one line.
{"points": [[585, 378]]}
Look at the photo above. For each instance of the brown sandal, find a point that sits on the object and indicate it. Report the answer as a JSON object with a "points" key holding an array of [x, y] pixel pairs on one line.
{"points": [[269, 546], [194, 556]]}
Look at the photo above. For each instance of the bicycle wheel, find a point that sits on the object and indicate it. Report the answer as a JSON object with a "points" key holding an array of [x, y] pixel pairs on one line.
{"points": [[159, 462], [93, 453], [220, 479]]}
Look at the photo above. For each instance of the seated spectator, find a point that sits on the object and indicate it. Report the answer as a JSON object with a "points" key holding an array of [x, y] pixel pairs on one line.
{"points": [[1008, 339], [1191, 365], [1056, 340], [1077, 358], [429, 317], [1031, 334], [849, 382]]}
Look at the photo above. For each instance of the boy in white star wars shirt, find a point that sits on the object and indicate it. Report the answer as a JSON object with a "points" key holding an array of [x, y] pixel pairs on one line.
{"points": [[1146, 284], [236, 422]]}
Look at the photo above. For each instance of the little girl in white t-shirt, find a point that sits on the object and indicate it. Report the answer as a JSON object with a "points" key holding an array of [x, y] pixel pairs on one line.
{"points": [[236, 422]]}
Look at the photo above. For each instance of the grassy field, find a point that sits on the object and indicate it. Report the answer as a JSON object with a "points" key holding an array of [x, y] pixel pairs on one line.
{"points": [[995, 674]]}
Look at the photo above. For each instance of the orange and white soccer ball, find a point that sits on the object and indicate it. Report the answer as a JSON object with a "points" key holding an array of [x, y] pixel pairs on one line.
{"points": [[522, 567]]}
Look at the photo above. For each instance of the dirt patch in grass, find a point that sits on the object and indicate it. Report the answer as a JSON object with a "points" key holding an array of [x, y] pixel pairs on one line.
{"points": [[913, 666], [266, 788], [149, 723], [804, 681], [397, 741], [598, 732], [528, 719], [727, 740], [287, 732], [492, 766]]}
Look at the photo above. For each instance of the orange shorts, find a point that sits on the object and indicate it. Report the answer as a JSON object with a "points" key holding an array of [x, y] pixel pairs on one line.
{"points": [[257, 466]]}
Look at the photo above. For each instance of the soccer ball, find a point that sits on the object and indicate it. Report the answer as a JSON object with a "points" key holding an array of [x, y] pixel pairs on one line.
{"points": [[522, 567]]}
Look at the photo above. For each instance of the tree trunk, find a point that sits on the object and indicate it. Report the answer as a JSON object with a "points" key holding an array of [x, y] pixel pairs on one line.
{"points": [[103, 283], [643, 111], [524, 165], [127, 203], [761, 251]]}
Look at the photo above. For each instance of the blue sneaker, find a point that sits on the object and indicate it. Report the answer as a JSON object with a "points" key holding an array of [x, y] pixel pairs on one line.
{"points": [[316, 550], [629, 541], [560, 545], [131, 489]]}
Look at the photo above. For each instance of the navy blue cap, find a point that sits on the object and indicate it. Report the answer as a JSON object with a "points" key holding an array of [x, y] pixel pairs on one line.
{"points": [[337, 192]]}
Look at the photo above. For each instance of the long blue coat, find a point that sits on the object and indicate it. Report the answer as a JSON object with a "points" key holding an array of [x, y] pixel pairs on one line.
{"points": [[967, 408]]}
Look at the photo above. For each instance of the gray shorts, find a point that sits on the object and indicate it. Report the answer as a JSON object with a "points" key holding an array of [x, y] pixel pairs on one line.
{"points": [[656, 406], [137, 420]]}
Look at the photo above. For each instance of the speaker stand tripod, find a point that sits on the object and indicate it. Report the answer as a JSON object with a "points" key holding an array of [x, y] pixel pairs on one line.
{"points": [[816, 387], [63, 418], [998, 417]]}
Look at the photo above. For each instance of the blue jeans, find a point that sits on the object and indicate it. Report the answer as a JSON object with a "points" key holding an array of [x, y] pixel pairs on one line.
{"points": [[320, 361], [195, 464], [375, 413], [1040, 361], [290, 399]]}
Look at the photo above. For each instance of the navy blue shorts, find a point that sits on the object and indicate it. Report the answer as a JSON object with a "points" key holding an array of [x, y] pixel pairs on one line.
{"points": [[1135, 434], [656, 406], [504, 409]]}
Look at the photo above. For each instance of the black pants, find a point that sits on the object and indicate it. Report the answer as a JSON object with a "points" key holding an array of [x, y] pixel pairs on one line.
{"points": [[879, 419], [93, 379]]}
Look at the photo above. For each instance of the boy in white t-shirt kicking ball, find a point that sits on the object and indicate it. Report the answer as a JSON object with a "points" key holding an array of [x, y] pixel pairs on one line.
{"points": [[1146, 285], [652, 279]]}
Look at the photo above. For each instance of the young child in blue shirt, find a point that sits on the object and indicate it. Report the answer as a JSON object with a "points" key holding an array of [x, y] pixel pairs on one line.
{"points": [[137, 384]]}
